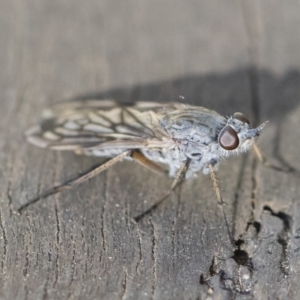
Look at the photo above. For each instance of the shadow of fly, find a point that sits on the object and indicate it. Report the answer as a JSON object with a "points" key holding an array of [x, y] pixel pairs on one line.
{"points": [[185, 139]]}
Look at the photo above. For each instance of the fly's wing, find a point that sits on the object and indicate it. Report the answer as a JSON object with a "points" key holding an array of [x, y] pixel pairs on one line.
{"points": [[103, 125]]}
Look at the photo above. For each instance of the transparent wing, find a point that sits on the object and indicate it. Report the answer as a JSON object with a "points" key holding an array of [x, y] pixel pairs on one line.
{"points": [[102, 125]]}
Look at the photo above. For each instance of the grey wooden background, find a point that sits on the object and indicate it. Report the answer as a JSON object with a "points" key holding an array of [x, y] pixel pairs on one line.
{"points": [[226, 55]]}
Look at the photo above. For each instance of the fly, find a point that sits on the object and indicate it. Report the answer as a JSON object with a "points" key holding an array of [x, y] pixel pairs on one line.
{"points": [[186, 139]]}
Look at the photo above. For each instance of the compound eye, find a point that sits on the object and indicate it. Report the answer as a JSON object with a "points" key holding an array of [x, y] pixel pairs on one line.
{"points": [[229, 139], [241, 117]]}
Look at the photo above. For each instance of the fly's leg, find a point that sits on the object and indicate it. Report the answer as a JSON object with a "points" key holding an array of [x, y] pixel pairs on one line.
{"points": [[178, 176], [146, 162], [262, 159], [220, 200], [77, 181]]}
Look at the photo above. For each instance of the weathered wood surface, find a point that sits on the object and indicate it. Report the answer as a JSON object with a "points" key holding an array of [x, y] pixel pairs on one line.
{"points": [[226, 55]]}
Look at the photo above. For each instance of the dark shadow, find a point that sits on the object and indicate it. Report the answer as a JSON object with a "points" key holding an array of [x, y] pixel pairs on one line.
{"points": [[260, 95], [225, 93]]}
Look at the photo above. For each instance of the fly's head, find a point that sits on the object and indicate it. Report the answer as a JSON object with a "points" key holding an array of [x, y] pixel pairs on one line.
{"points": [[237, 135]]}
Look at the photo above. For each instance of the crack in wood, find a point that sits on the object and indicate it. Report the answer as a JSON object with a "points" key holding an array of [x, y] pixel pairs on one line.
{"points": [[124, 285], [174, 223], [283, 239], [9, 197], [45, 292], [5, 244], [57, 246], [237, 189], [26, 266], [84, 246], [154, 258], [73, 264], [140, 248], [26, 290], [102, 230]]}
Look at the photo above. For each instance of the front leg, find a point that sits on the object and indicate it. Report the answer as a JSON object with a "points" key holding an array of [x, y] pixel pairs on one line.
{"points": [[178, 176], [220, 200], [263, 160]]}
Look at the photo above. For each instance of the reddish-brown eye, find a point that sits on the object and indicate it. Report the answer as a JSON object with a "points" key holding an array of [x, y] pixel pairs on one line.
{"points": [[241, 117], [229, 139]]}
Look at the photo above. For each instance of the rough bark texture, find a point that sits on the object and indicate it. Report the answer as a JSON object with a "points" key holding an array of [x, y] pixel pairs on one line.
{"points": [[225, 55]]}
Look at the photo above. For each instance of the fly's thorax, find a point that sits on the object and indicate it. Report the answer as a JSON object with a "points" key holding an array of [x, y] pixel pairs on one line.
{"points": [[193, 127], [195, 131], [194, 123]]}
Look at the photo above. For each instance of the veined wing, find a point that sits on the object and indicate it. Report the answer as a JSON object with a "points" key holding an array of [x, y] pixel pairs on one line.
{"points": [[103, 125]]}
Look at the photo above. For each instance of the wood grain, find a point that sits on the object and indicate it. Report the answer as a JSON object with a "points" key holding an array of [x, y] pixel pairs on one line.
{"points": [[82, 244]]}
